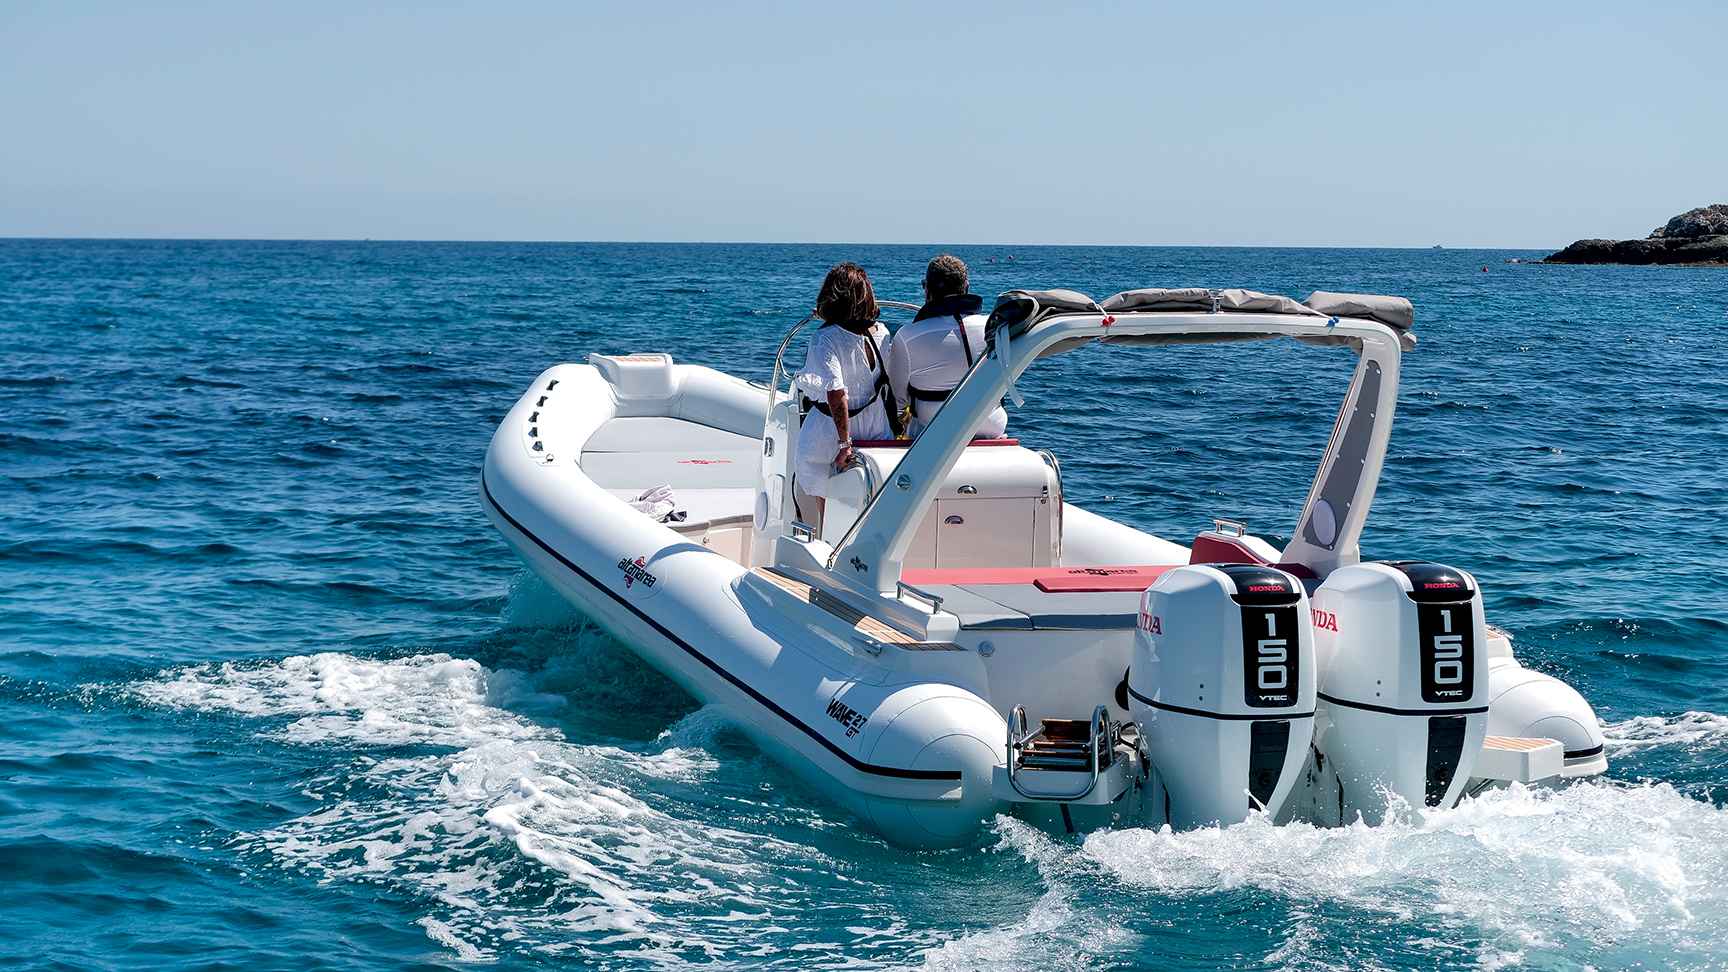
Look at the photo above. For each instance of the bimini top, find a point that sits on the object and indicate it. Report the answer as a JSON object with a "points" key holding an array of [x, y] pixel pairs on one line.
{"points": [[1027, 325], [1021, 309]]}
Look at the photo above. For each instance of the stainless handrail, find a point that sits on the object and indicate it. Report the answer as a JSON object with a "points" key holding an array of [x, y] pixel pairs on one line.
{"points": [[1100, 744], [901, 589], [869, 474], [1102, 749], [779, 367], [1050, 457]]}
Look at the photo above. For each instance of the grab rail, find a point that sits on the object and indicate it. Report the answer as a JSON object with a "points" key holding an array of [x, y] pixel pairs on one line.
{"points": [[779, 366], [1226, 526], [860, 462], [1100, 747], [1050, 457], [901, 589]]}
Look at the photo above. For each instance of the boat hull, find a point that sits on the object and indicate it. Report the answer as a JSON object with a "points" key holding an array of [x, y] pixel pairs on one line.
{"points": [[911, 755], [897, 703]]}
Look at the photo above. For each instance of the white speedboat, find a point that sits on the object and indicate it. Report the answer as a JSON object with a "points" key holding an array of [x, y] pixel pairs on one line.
{"points": [[957, 641]]}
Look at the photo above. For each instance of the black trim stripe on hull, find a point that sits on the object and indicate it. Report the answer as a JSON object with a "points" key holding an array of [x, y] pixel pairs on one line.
{"points": [[1271, 715], [852, 761], [1402, 712], [1595, 750]]}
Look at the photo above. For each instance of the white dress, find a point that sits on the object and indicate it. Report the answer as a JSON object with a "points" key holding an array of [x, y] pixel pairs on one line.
{"points": [[837, 360]]}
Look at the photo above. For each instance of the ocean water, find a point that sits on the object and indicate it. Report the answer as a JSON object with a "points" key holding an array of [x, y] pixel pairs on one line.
{"points": [[273, 695]]}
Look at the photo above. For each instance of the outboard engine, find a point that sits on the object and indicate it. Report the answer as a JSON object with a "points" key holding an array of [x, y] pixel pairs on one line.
{"points": [[1222, 685], [1403, 684]]}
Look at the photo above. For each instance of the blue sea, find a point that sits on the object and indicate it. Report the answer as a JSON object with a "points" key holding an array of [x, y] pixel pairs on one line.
{"points": [[274, 695]]}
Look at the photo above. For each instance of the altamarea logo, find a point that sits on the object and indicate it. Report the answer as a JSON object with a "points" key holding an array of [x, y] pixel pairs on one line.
{"points": [[636, 570]]}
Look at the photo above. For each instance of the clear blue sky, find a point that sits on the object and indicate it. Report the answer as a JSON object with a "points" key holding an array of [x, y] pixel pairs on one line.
{"points": [[1262, 124]]}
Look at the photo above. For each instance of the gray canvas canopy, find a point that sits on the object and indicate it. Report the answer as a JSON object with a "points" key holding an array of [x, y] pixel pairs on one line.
{"points": [[1391, 311], [1020, 310], [1203, 299], [1023, 308]]}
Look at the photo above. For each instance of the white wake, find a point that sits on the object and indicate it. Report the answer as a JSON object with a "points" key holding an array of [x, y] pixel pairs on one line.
{"points": [[661, 855]]}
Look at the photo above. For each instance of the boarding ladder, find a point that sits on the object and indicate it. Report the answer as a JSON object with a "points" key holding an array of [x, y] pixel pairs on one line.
{"points": [[1068, 750]]}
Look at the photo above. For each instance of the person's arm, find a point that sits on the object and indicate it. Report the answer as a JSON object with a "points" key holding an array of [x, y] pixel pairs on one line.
{"points": [[842, 425]]}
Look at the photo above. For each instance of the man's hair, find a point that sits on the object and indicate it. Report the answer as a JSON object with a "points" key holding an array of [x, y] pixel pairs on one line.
{"points": [[946, 277], [847, 296]]}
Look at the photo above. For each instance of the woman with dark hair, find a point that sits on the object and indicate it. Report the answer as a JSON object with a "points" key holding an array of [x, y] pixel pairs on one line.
{"points": [[843, 376]]}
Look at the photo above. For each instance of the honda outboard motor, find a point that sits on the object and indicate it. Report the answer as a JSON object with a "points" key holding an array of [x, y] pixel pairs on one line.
{"points": [[1403, 684], [1222, 685]]}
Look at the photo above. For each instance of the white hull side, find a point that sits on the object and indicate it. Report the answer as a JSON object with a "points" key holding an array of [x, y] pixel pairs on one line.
{"points": [[919, 758]]}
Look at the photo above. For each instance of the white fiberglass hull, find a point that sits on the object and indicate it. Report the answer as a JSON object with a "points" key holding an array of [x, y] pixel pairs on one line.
{"points": [[914, 757]]}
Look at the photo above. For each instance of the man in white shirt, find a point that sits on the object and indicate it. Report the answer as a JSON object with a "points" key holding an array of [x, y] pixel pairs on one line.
{"points": [[930, 356]]}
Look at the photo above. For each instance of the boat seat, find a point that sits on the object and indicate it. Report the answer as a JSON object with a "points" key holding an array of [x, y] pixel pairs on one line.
{"points": [[1083, 611], [635, 453], [1212, 547], [710, 507], [906, 443], [1051, 580], [1007, 607], [629, 434], [996, 506], [1047, 598], [976, 612], [683, 469]]}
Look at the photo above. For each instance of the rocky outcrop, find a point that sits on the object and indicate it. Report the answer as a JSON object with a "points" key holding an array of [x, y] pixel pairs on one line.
{"points": [[1703, 221], [1698, 236]]}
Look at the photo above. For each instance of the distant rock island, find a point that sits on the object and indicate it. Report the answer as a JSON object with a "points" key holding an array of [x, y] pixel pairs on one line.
{"points": [[1697, 237]]}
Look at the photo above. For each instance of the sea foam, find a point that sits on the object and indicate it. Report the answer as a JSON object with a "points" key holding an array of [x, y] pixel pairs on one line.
{"points": [[519, 840], [518, 837], [1596, 874]]}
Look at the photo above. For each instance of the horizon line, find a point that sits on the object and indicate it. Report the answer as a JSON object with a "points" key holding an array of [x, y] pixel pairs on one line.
{"points": [[1071, 246]]}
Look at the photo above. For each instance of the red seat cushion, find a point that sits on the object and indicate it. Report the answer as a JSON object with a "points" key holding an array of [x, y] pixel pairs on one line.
{"points": [[1051, 580], [1081, 579], [903, 443], [1211, 550]]}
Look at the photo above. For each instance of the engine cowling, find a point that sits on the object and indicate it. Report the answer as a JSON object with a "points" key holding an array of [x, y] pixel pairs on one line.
{"points": [[1222, 685], [1403, 684]]}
